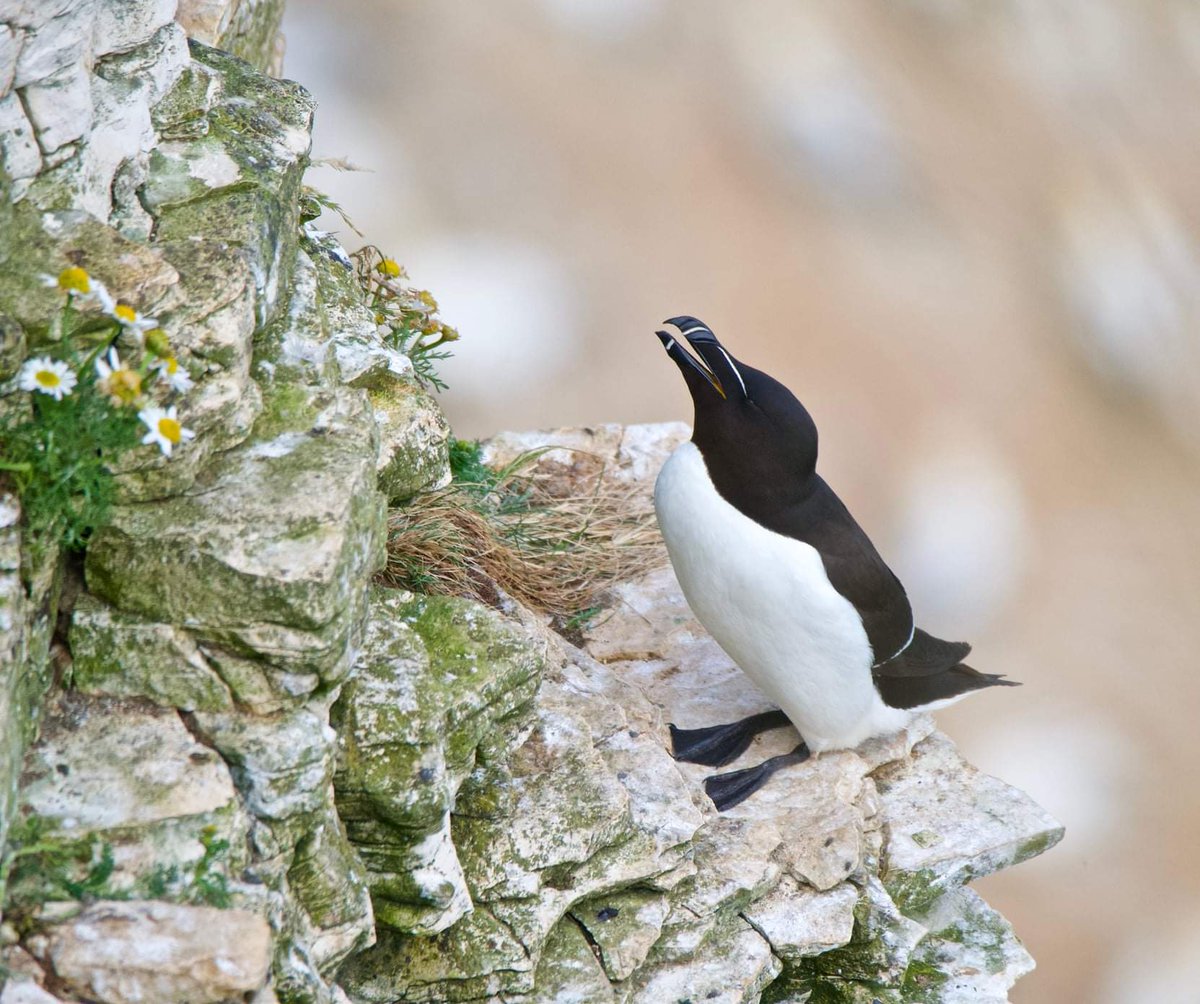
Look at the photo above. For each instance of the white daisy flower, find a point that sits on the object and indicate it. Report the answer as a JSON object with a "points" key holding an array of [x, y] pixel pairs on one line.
{"points": [[103, 297], [119, 382], [176, 376], [165, 429], [130, 319], [74, 281], [81, 287], [48, 376]]}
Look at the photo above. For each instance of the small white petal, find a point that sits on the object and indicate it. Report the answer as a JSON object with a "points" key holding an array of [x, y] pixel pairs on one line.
{"points": [[101, 295]]}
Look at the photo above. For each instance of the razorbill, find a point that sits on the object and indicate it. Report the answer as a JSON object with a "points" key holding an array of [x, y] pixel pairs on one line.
{"points": [[789, 585]]}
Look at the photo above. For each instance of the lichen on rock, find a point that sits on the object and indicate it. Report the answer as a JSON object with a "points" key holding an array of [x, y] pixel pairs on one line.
{"points": [[438, 679]]}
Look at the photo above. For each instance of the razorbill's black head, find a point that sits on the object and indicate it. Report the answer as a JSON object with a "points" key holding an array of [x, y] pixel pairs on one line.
{"points": [[748, 425]]}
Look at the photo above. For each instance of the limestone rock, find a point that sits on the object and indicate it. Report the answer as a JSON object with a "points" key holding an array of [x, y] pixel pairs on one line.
{"points": [[11, 40], [132, 271], [60, 107], [18, 144], [330, 882], [735, 967], [434, 677], [121, 27], [414, 441], [125, 656], [24, 978], [242, 616], [267, 554], [27, 614], [24, 992], [799, 921], [624, 927], [971, 954], [138, 952], [129, 777], [282, 764], [597, 869], [949, 823], [569, 970], [55, 38]]}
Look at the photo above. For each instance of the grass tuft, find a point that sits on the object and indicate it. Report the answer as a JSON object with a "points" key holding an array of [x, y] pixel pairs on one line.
{"points": [[554, 536]]}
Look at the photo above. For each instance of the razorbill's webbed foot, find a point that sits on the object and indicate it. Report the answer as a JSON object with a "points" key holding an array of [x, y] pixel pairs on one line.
{"points": [[722, 744], [733, 788]]}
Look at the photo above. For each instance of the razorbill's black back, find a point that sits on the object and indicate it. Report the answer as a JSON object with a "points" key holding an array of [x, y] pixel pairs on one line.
{"points": [[785, 580]]}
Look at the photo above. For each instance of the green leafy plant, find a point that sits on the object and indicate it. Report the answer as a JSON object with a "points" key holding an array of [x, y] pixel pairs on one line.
{"points": [[85, 409], [57, 867], [204, 883]]}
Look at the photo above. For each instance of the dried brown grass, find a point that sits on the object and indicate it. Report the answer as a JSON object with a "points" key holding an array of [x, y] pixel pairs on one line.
{"points": [[553, 536]]}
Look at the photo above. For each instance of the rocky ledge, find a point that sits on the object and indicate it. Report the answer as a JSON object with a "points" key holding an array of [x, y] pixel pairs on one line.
{"points": [[571, 858], [507, 800]]}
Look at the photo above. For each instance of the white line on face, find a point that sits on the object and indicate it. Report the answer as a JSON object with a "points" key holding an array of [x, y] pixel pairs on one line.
{"points": [[737, 374]]}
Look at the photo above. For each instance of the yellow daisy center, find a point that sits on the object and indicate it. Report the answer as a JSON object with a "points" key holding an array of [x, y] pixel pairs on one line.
{"points": [[389, 268], [125, 313], [170, 430], [125, 385], [74, 278], [48, 378], [172, 366]]}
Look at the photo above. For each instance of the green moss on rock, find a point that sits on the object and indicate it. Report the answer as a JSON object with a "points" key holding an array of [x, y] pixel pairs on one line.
{"points": [[280, 534], [123, 655], [415, 440], [433, 676]]}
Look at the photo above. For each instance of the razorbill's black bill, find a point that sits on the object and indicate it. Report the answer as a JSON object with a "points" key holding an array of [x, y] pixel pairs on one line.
{"points": [[784, 579]]}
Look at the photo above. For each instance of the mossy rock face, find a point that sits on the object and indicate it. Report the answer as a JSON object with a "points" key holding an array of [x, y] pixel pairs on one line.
{"points": [[623, 926], [414, 440], [434, 676], [569, 969], [276, 540], [136, 804], [51, 241], [950, 823], [122, 655], [329, 881], [29, 595], [228, 594]]}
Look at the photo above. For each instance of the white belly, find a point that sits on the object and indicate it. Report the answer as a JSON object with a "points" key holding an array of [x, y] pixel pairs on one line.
{"points": [[767, 601]]}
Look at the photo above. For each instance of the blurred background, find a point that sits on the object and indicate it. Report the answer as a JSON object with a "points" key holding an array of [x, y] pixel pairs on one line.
{"points": [[965, 234]]}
